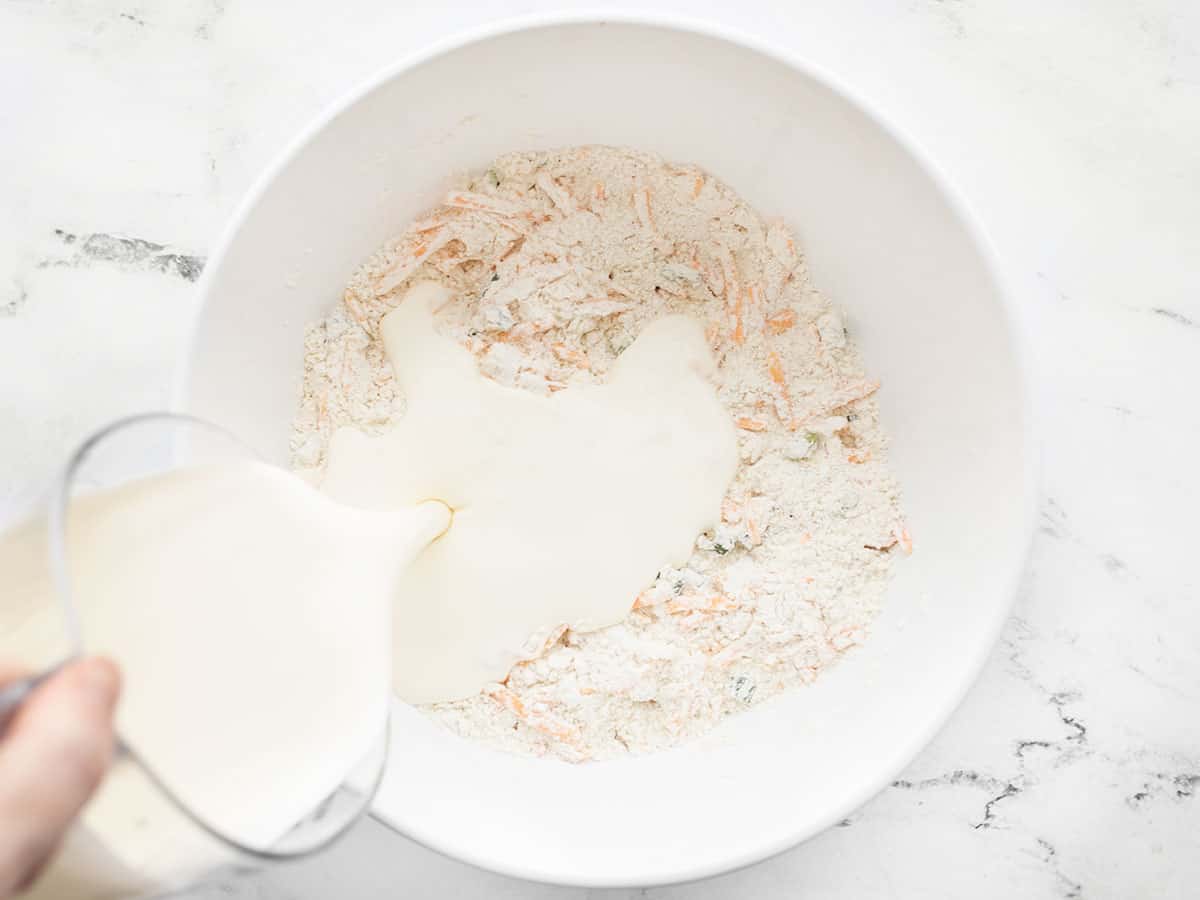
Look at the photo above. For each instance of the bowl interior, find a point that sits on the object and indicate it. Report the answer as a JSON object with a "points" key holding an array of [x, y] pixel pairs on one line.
{"points": [[882, 239]]}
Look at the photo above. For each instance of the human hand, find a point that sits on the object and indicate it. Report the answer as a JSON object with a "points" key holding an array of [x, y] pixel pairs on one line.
{"points": [[52, 757]]}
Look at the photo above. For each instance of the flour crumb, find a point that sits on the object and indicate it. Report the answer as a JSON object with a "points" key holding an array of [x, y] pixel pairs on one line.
{"points": [[558, 260]]}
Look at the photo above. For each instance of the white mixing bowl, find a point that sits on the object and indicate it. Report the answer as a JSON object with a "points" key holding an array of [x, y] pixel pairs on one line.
{"points": [[884, 237]]}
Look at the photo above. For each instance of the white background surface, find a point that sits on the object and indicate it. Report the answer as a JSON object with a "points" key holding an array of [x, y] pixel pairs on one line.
{"points": [[1073, 129]]}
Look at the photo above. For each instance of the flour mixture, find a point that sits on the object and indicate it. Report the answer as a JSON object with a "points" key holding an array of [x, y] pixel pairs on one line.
{"points": [[557, 261]]}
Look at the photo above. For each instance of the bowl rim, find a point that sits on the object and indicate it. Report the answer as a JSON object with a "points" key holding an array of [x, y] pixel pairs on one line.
{"points": [[678, 871]]}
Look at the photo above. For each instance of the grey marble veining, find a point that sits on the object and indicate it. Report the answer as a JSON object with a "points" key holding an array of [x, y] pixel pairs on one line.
{"points": [[1072, 769], [126, 252]]}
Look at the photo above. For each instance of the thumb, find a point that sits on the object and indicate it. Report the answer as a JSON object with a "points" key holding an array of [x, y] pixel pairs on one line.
{"points": [[51, 759]]}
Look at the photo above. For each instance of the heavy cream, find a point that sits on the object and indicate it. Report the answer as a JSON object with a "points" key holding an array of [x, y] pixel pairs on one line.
{"points": [[565, 506], [259, 622]]}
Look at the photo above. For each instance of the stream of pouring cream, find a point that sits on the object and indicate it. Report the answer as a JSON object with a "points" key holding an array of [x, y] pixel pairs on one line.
{"points": [[250, 616]]}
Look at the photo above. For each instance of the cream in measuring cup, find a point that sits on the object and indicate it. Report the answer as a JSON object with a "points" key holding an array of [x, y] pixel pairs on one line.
{"points": [[251, 618]]}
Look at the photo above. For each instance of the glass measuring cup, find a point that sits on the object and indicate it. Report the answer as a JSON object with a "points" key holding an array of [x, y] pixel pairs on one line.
{"points": [[139, 835]]}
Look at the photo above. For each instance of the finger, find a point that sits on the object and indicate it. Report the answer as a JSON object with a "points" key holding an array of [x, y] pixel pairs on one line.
{"points": [[51, 758], [10, 672]]}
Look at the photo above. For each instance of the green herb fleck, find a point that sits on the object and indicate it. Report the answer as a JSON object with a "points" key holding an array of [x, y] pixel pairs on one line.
{"points": [[743, 689]]}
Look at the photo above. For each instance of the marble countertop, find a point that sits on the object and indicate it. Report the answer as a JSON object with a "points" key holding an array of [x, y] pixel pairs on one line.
{"points": [[128, 130]]}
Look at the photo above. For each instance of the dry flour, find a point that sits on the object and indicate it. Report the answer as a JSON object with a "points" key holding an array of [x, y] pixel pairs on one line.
{"points": [[558, 260]]}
